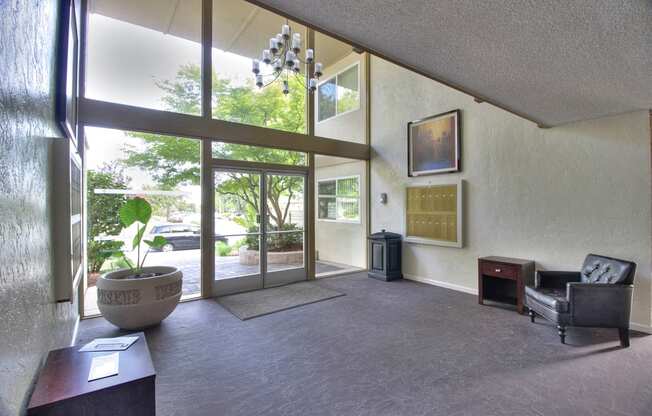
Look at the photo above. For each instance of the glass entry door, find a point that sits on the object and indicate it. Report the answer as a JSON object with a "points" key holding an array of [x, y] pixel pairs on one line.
{"points": [[251, 253], [285, 211]]}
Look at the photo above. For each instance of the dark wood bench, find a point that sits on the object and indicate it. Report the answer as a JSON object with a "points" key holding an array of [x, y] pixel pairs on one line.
{"points": [[63, 388]]}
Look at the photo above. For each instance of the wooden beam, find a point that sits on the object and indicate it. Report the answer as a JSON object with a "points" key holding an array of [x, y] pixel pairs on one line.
{"points": [[359, 47], [311, 268], [206, 58], [245, 164], [124, 117], [207, 191], [367, 139]]}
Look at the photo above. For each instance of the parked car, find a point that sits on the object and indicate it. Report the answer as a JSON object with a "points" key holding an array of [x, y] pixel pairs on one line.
{"points": [[180, 236], [175, 217]]}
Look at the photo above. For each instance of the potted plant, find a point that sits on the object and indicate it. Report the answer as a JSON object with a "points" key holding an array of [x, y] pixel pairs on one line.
{"points": [[138, 296]]}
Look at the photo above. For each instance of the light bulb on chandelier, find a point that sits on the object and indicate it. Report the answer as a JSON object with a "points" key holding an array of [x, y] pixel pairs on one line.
{"points": [[283, 58]]}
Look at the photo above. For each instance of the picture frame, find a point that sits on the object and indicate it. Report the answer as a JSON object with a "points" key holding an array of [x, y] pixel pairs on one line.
{"points": [[67, 69], [434, 144], [434, 214], [68, 212]]}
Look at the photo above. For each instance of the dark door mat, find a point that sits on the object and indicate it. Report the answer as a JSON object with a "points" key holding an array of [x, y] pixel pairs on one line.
{"points": [[257, 303]]}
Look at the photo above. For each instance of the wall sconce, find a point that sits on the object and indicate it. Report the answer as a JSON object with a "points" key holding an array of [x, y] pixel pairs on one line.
{"points": [[383, 198]]}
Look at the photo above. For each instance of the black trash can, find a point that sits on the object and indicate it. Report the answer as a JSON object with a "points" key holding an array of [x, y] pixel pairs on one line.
{"points": [[385, 256]]}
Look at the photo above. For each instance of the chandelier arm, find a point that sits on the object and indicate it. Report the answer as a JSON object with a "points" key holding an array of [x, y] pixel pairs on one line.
{"points": [[303, 82], [273, 61], [271, 74], [279, 61], [278, 74]]}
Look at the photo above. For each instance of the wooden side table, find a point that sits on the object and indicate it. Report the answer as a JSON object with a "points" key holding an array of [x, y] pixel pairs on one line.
{"points": [[63, 388], [503, 279]]}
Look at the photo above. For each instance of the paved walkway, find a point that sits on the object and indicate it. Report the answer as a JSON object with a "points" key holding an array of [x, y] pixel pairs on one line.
{"points": [[189, 262]]}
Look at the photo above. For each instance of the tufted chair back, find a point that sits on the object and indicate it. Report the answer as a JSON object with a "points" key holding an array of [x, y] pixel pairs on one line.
{"points": [[602, 269]]}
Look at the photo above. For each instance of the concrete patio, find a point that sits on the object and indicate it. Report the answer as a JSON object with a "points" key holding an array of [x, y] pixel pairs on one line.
{"points": [[227, 267]]}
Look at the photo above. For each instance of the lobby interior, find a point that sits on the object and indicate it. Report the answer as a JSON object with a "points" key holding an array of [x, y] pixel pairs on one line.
{"points": [[532, 123]]}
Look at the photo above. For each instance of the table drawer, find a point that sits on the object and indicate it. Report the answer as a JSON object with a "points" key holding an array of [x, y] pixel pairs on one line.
{"points": [[499, 270]]}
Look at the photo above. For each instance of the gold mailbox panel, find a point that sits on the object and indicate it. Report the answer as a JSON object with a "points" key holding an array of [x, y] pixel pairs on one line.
{"points": [[432, 212]]}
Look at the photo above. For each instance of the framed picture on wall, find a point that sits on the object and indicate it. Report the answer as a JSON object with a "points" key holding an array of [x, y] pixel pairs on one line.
{"points": [[67, 78], [68, 220], [434, 144]]}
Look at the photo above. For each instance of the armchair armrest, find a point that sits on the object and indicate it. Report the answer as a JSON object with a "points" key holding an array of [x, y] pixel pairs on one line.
{"points": [[554, 279], [600, 304]]}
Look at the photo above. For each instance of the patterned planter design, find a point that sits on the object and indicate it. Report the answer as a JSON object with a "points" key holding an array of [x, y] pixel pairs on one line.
{"points": [[139, 303]]}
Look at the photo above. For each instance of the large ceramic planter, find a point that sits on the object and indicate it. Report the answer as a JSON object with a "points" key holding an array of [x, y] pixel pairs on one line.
{"points": [[139, 303]]}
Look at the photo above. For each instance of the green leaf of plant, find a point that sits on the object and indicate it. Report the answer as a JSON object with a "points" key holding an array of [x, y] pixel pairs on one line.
{"points": [[136, 209], [158, 242], [138, 237], [119, 255]]}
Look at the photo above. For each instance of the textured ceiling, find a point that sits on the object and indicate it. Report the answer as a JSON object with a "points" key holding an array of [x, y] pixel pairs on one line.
{"points": [[552, 61]]}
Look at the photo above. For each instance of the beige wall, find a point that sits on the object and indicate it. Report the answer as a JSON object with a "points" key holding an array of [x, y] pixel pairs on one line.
{"points": [[348, 126], [31, 323], [337, 241], [550, 195], [342, 242]]}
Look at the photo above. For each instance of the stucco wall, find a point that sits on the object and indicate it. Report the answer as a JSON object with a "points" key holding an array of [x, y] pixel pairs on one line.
{"points": [[337, 241], [30, 322], [347, 126], [550, 195], [342, 242]]}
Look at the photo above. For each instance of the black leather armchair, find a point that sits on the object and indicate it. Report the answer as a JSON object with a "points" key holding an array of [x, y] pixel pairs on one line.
{"points": [[598, 296]]}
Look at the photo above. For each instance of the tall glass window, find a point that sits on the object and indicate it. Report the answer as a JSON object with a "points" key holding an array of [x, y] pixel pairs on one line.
{"points": [[339, 105], [165, 171], [241, 31], [232, 151], [339, 94], [145, 54]]}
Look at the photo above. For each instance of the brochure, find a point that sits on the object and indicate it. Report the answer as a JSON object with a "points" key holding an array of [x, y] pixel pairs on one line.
{"points": [[109, 344], [104, 366]]}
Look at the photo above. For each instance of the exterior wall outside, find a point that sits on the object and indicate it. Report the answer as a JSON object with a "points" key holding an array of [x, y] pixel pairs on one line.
{"points": [[31, 324], [348, 126], [552, 195], [343, 242]]}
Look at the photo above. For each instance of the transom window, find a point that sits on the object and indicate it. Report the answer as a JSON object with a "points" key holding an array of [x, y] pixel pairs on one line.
{"points": [[339, 199], [339, 94]]}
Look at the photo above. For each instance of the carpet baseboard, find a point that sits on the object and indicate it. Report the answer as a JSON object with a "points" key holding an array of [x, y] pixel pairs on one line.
{"points": [[640, 327], [446, 285], [473, 291], [74, 332]]}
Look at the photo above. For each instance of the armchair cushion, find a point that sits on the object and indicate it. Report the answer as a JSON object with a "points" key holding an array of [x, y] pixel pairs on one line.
{"points": [[553, 298], [555, 279], [603, 269]]}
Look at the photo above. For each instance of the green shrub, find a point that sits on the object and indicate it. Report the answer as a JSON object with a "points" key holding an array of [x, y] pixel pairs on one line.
{"points": [[222, 249], [277, 242]]}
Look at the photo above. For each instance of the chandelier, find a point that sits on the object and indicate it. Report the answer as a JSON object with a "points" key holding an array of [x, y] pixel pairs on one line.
{"points": [[283, 59]]}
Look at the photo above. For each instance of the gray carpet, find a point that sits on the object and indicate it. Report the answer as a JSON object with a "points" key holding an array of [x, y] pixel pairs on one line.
{"points": [[321, 267], [388, 348], [265, 301]]}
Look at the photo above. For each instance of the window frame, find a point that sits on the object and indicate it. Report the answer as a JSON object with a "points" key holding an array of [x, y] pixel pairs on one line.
{"points": [[335, 76], [337, 197]]}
